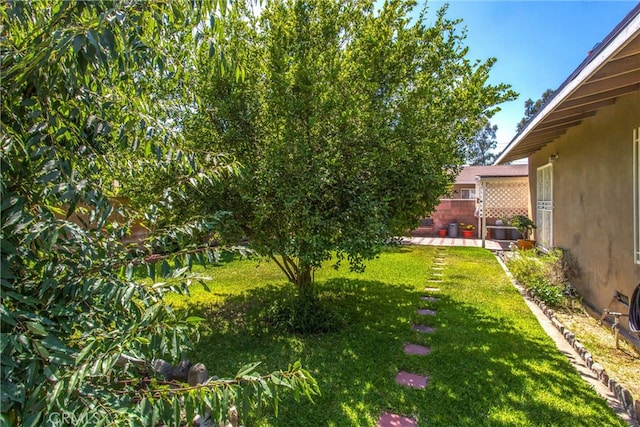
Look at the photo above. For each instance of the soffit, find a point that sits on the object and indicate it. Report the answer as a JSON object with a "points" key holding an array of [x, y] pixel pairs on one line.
{"points": [[617, 75]]}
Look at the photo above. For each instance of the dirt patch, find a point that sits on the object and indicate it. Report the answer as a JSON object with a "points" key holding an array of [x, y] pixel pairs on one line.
{"points": [[623, 364]]}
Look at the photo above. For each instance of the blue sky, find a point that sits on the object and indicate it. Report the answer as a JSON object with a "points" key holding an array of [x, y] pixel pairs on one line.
{"points": [[537, 43]]}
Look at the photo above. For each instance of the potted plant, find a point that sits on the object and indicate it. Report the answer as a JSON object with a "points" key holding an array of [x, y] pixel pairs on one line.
{"points": [[526, 227], [442, 232], [467, 230], [513, 233]]}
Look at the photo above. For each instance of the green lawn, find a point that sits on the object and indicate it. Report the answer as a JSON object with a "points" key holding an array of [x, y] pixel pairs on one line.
{"points": [[491, 363]]}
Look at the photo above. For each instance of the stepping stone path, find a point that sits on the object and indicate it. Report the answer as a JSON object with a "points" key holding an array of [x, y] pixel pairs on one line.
{"points": [[416, 349], [424, 329], [393, 420], [409, 379]]}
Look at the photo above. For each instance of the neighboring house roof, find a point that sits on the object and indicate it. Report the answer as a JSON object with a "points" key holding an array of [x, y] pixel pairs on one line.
{"points": [[611, 70], [469, 173]]}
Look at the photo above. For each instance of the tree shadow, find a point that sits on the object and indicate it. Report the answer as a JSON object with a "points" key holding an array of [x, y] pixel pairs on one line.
{"points": [[483, 368]]}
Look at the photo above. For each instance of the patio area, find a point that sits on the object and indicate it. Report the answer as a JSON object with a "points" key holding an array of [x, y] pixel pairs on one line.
{"points": [[492, 245]]}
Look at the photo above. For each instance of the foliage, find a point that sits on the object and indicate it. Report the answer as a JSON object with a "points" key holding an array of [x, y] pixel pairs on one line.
{"points": [[79, 331], [346, 129], [523, 224], [547, 274], [531, 108], [491, 364], [305, 314], [478, 149]]}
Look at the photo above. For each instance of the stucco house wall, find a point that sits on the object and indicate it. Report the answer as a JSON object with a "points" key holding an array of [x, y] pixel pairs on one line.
{"points": [[593, 201]]}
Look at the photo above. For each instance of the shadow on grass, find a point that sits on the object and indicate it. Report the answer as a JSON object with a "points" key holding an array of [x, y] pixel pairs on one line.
{"points": [[485, 368]]}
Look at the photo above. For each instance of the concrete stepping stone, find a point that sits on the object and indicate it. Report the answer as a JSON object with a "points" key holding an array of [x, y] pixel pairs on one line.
{"points": [[411, 380], [434, 280], [424, 329], [426, 312], [436, 274], [393, 420], [437, 268], [431, 289], [430, 299], [416, 349]]}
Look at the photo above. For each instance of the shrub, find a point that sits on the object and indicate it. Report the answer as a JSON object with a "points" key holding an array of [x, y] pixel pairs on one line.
{"points": [[304, 314], [546, 274]]}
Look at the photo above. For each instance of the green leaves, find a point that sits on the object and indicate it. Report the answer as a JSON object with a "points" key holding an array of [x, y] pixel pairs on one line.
{"points": [[81, 82], [348, 127]]}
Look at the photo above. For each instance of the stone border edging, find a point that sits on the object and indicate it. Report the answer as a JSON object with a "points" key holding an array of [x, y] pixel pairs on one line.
{"points": [[622, 394], [624, 397]]}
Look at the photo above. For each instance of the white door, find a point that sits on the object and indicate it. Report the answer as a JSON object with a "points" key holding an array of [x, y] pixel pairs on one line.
{"points": [[544, 206]]}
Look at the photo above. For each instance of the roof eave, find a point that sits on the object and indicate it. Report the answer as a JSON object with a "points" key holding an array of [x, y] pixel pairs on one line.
{"points": [[614, 41]]}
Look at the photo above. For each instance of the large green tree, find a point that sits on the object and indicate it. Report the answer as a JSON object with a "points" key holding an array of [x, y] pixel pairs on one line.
{"points": [[347, 129], [531, 108], [83, 84], [479, 148]]}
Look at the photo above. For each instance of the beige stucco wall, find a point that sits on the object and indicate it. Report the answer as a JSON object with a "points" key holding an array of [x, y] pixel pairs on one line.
{"points": [[593, 200]]}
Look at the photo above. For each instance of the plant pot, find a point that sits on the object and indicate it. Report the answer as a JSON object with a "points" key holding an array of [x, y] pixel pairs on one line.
{"points": [[442, 233], [467, 234], [526, 244]]}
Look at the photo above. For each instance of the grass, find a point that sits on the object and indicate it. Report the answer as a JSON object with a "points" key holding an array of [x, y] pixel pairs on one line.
{"points": [[491, 364]]}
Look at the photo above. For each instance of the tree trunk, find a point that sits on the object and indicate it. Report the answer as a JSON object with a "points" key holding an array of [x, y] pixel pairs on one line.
{"points": [[304, 281], [300, 274]]}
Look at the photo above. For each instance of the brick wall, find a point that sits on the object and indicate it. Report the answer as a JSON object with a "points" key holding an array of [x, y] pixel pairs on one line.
{"points": [[450, 210]]}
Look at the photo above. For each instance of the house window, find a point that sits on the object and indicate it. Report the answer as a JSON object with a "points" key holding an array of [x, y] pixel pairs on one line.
{"points": [[636, 195], [544, 206], [468, 193]]}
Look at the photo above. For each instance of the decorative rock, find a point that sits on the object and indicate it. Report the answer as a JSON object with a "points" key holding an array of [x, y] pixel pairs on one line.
{"points": [[181, 372], [626, 398], [393, 420], [612, 384], [556, 323], [598, 369], [578, 347], [636, 407], [588, 360], [198, 374], [163, 368], [618, 391], [200, 421], [604, 378], [571, 338]]}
